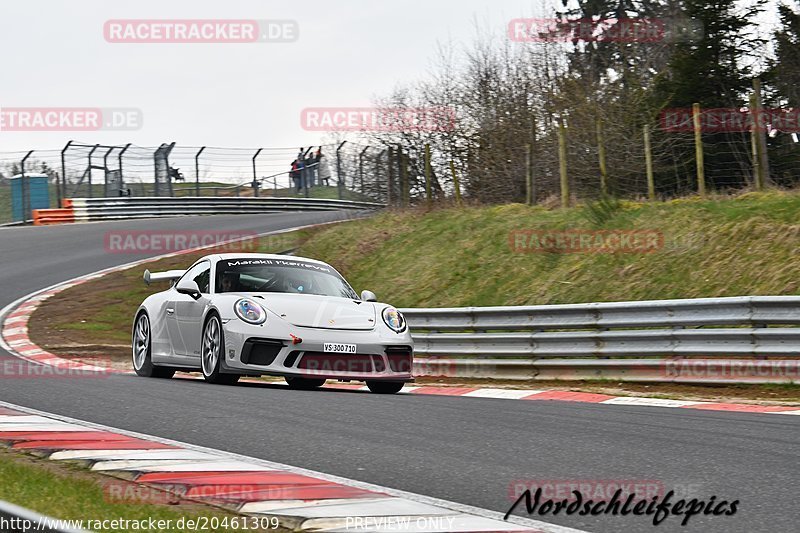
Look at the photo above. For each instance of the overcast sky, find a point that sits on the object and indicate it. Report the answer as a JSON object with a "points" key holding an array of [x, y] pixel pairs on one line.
{"points": [[231, 95]]}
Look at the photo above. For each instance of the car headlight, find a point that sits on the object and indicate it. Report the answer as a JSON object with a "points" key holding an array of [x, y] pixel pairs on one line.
{"points": [[250, 311], [394, 319]]}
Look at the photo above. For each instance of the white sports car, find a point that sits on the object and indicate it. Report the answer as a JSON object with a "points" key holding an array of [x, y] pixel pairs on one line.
{"points": [[235, 315]]}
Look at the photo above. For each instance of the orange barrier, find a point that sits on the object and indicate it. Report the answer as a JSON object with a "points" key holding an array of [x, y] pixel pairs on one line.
{"points": [[45, 217]]}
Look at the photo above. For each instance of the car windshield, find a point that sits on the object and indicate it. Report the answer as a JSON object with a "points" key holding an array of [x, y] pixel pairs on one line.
{"points": [[280, 275]]}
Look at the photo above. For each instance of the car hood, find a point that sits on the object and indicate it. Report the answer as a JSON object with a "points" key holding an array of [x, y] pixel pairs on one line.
{"points": [[312, 311]]}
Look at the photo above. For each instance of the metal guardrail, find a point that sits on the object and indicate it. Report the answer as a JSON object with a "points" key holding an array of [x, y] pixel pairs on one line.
{"points": [[743, 339], [88, 209], [15, 519]]}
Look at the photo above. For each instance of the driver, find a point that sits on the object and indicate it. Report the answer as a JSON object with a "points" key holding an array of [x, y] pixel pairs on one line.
{"points": [[230, 282]]}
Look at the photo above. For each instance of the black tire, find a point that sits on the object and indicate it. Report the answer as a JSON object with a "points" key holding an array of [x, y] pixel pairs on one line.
{"points": [[141, 350], [304, 383], [212, 353], [385, 387]]}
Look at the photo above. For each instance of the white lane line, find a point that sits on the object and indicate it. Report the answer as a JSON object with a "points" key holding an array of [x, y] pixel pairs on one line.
{"points": [[456, 508]]}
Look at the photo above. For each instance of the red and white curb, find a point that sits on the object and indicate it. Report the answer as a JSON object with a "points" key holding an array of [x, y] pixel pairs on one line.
{"points": [[301, 500]]}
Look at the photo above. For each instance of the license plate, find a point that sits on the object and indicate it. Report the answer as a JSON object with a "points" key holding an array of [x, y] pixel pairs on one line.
{"points": [[336, 347]]}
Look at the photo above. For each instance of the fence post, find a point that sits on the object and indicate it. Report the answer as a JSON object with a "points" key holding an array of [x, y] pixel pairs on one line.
{"points": [[340, 182], [390, 176], [648, 161], [601, 155], [401, 158], [256, 184], [121, 175], [698, 150], [456, 185], [428, 196], [26, 190], [197, 171], [528, 176], [562, 162], [361, 167], [64, 171], [761, 138]]}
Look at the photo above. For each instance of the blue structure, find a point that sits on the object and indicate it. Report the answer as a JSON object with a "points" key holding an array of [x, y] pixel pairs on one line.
{"points": [[38, 192]]}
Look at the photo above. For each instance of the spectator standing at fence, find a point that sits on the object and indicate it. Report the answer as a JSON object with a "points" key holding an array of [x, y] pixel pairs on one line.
{"points": [[311, 169], [323, 170], [295, 175]]}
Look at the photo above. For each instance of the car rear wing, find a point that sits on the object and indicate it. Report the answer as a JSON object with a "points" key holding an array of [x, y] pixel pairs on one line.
{"points": [[171, 275]]}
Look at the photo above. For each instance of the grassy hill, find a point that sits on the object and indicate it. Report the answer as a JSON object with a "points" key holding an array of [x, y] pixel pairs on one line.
{"points": [[731, 246]]}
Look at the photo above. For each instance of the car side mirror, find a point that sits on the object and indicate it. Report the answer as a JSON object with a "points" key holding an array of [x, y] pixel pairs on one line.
{"points": [[368, 296], [188, 286]]}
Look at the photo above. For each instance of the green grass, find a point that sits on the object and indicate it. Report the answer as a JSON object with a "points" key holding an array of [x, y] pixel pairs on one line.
{"points": [[66, 492], [732, 246]]}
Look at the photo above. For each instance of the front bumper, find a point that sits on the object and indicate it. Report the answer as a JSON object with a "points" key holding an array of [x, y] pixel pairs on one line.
{"points": [[270, 349]]}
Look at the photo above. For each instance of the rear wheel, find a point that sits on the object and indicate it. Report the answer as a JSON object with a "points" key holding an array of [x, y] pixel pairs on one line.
{"points": [[140, 343], [385, 387], [212, 353], [304, 383]]}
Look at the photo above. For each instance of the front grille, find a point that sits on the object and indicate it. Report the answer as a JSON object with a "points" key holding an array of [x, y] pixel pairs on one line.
{"points": [[261, 351], [400, 358], [323, 362]]}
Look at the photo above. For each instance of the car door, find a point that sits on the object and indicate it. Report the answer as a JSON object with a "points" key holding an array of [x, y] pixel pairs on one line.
{"points": [[190, 312], [178, 308]]}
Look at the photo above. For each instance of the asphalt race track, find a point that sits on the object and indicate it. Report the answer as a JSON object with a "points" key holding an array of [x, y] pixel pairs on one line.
{"points": [[468, 450]]}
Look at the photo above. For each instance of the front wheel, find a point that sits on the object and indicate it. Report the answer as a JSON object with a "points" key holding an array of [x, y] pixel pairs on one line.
{"points": [[304, 383], [385, 387], [213, 351], [140, 343]]}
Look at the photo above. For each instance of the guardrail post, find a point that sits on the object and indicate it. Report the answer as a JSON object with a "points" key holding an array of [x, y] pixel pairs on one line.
{"points": [[197, 171], [26, 190], [340, 182]]}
